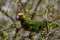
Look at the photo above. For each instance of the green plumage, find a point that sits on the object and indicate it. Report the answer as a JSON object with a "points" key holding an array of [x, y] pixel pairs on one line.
{"points": [[35, 26]]}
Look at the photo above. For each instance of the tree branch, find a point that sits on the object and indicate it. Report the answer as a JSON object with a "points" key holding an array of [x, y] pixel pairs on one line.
{"points": [[50, 5], [34, 8], [23, 8]]}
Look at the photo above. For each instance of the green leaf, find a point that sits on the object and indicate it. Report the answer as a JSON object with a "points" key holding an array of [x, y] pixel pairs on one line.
{"points": [[1, 33]]}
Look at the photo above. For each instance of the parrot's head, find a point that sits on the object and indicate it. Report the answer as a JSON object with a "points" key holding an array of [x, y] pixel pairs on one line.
{"points": [[20, 16]]}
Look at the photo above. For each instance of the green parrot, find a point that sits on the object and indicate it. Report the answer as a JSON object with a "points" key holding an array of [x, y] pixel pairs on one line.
{"points": [[33, 25]]}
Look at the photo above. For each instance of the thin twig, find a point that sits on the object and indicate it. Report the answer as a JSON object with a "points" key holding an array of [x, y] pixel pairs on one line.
{"points": [[50, 32], [7, 16], [47, 31], [49, 6], [53, 31]]}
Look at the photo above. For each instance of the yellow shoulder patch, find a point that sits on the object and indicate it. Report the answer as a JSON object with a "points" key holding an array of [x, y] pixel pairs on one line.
{"points": [[30, 22], [24, 16]]}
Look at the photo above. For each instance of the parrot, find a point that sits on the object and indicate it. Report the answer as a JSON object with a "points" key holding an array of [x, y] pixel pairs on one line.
{"points": [[33, 25]]}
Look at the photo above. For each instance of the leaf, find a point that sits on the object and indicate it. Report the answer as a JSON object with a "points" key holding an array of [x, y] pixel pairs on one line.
{"points": [[27, 10], [13, 25], [5, 38], [37, 14], [53, 23], [1, 33]]}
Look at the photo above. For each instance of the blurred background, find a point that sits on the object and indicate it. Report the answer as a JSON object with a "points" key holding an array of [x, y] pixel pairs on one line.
{"points": [[40, 10]]}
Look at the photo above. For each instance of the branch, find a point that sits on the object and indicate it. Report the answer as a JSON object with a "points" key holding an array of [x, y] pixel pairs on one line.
{"points": [[34, 8], [26, 3], [48, 33], [17, 30], [49, 6], [53, 31], [4, 13], [23, 8]]}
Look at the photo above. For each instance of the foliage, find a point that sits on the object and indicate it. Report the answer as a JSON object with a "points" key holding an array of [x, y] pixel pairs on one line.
{"points": [[3, 34]]}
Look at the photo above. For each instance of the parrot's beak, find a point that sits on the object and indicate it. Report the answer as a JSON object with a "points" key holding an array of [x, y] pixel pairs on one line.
{"points": [[17, 16]]}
